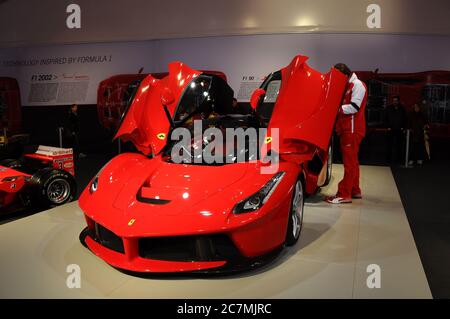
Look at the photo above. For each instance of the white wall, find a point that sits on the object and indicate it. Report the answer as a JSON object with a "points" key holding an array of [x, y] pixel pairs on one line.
{"points": [[120, 58], [238, 56], [38, 22], [262, 54]]}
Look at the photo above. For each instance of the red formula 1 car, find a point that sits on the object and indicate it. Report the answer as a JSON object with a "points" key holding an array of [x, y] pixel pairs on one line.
{"points": [[149, 213], [41, 179]]}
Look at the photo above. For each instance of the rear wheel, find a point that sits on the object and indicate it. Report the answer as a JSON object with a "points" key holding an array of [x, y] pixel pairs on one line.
{"points": [[295, 221], [54, 187]]}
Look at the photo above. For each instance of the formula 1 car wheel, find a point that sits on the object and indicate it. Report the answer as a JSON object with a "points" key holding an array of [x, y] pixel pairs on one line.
{"points": [[295, 221], [54, 187]]}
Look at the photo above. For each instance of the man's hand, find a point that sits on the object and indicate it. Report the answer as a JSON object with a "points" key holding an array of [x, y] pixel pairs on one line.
{"points": [[349, 108]]}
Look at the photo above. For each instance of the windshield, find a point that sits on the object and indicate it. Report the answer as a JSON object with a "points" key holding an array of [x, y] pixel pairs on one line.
{"points": [[205, 95], [206, 111]]}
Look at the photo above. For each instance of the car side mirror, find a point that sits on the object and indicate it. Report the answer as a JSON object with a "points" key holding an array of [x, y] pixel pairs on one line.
{"points": [[256, 96], [167, 97]]}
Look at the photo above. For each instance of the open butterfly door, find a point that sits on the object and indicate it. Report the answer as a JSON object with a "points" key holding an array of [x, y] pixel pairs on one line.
{"points": [[145, 122], [306, 108]]}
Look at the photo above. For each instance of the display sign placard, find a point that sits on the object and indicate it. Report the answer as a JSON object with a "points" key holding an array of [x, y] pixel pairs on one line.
{"points": [[248, 84]]}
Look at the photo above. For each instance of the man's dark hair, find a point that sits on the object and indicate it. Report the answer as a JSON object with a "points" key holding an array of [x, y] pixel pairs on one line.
{"points": [[71, 107], [343, 68]]}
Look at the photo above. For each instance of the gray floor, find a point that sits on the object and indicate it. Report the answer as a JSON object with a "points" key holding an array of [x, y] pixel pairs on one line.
{"points": [[337, 245]]}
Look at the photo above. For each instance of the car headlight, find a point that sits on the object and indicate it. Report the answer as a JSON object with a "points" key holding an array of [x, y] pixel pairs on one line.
{"points": [[258, 199], [94, 185]]}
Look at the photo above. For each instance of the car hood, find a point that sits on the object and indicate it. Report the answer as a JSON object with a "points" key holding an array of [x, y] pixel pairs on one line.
{"points": [[152, 194], [172, 185]]}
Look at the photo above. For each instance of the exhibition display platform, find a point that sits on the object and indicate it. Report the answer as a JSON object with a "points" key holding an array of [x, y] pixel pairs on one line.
{"points": [[331, 259]]}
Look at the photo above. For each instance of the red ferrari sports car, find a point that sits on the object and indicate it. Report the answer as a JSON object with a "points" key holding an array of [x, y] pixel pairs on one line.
{"points": [[146, 212], [43, 178]]}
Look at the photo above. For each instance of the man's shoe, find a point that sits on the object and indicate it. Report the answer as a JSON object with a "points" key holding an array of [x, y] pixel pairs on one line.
{"points": [[357, 196], [337, 200]]}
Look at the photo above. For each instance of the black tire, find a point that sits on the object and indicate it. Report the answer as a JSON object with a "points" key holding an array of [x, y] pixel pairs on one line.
{"points": [[295, 221], [53, 187]]}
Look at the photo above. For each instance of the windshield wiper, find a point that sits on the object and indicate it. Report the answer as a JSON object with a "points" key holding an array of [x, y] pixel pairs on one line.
{"points": [[166, 110], [174, 126]]}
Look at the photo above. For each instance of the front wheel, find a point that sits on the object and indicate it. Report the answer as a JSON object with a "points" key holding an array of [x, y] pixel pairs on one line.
{"points": [[295, 221], [54, 187]]}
